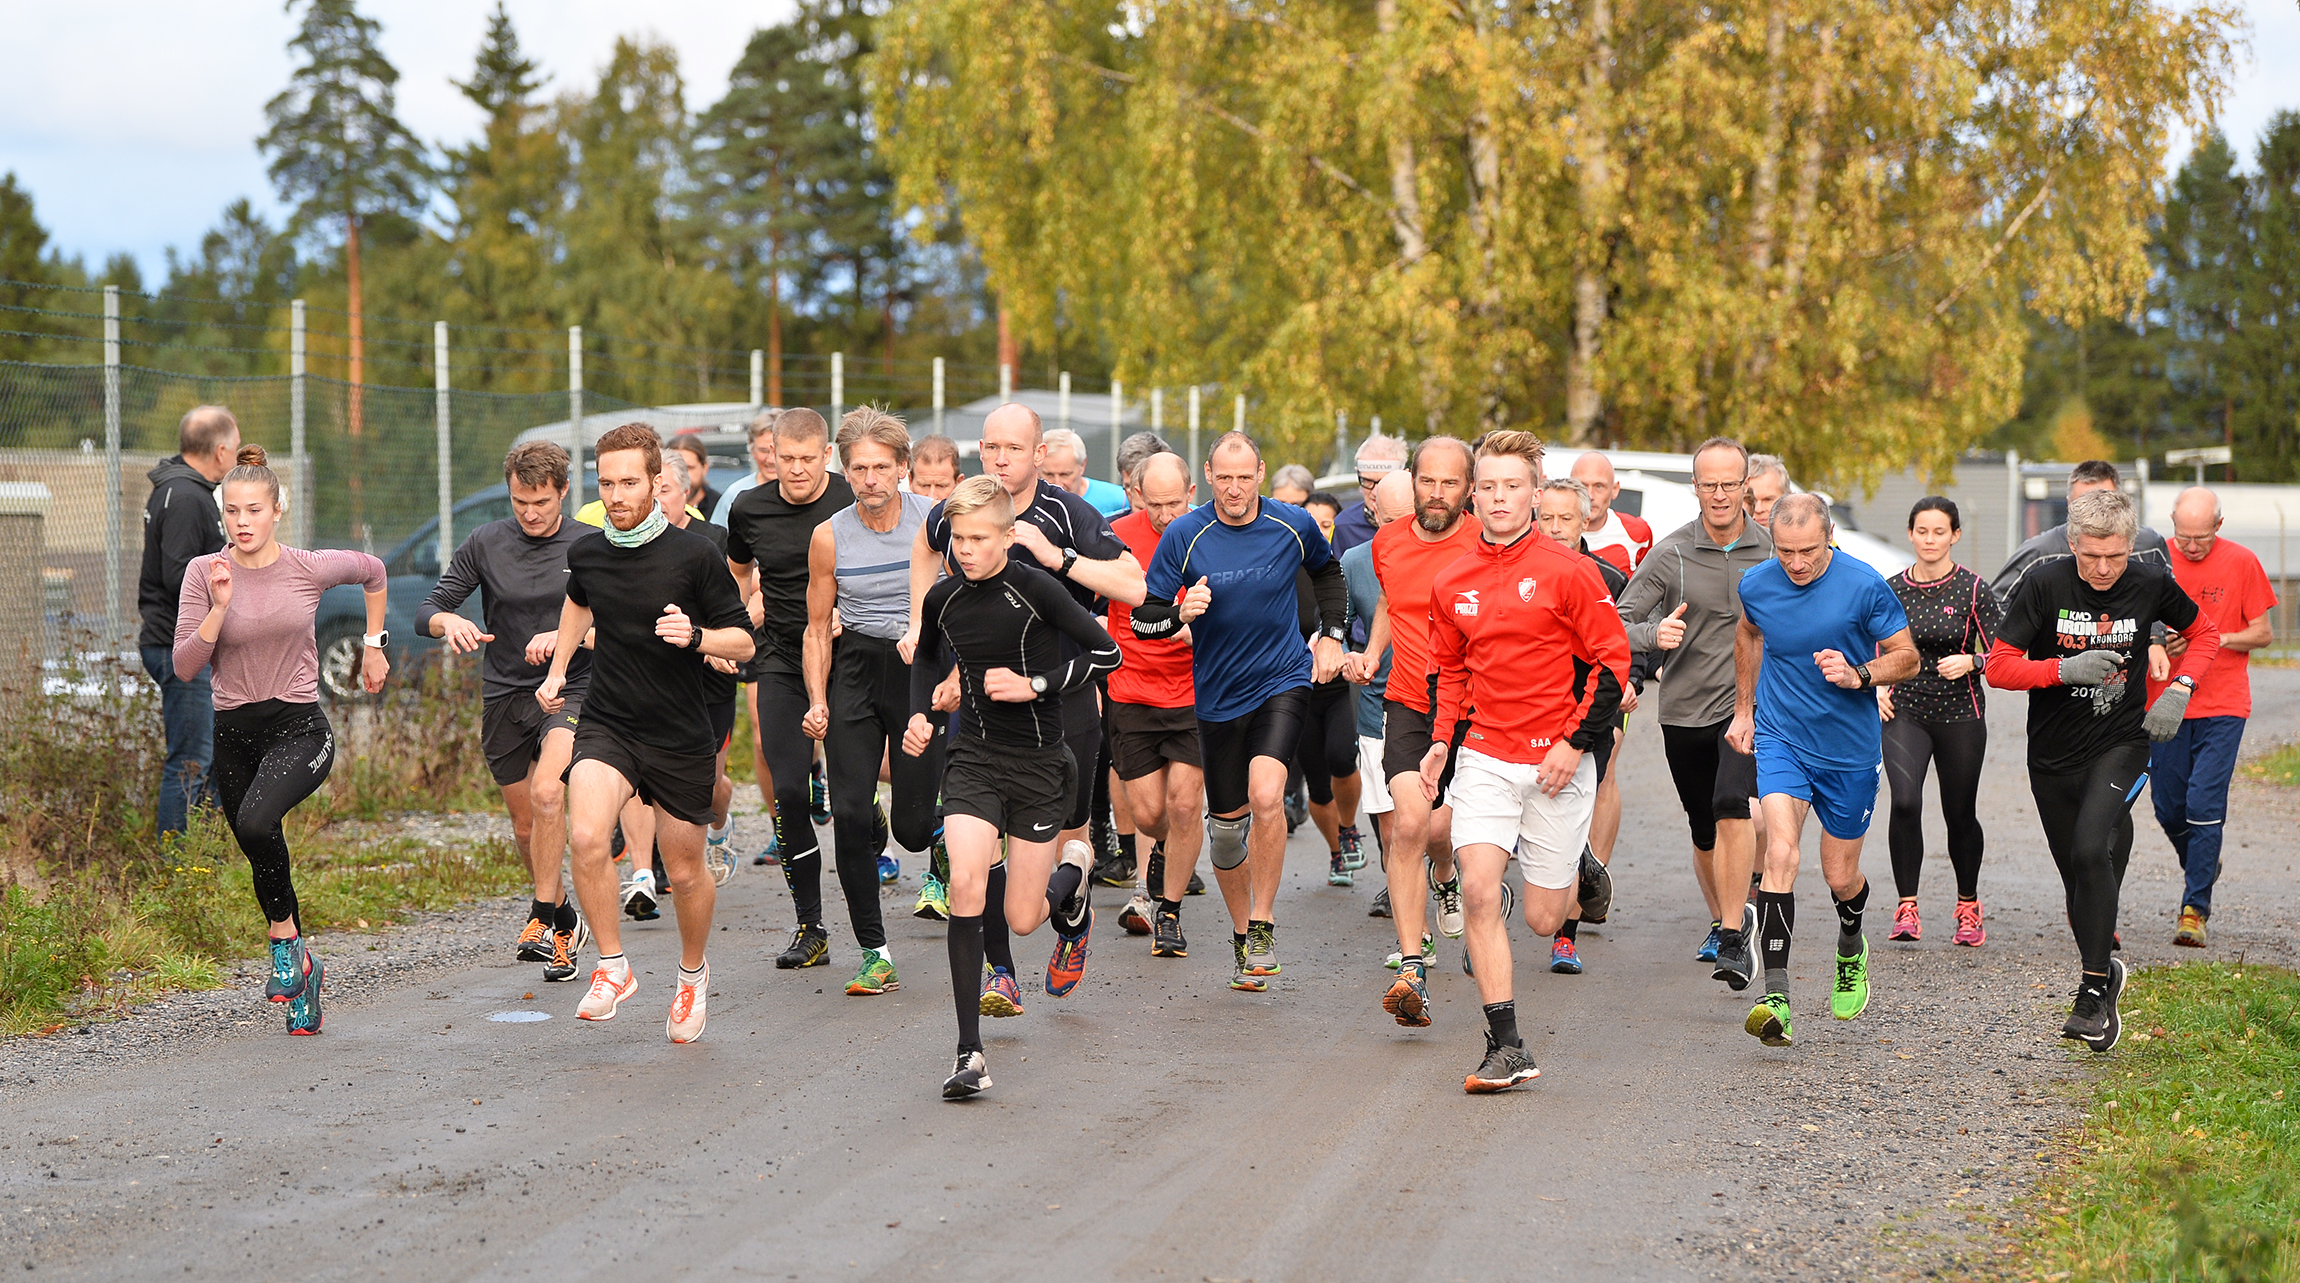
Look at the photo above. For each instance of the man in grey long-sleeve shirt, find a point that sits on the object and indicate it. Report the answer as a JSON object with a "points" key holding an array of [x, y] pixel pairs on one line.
{"points": [[519, 568], [2052, 545], [1683, 604]]}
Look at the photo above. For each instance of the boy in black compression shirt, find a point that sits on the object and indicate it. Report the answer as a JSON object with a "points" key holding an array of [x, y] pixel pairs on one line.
{"points": [[1009, 772]]}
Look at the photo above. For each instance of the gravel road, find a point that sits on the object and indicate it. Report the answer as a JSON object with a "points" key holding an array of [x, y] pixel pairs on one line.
{"points": [[1152, 1125]]}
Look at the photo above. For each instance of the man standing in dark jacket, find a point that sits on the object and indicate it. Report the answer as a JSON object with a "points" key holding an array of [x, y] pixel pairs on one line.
{"points": [[180, 523]]}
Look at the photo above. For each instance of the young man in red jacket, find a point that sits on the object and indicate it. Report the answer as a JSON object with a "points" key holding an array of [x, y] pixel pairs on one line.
{"points": [[1523, 632]]}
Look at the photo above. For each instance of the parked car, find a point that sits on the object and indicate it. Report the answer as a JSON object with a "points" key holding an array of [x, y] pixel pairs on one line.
{"points": [[413, 567]]}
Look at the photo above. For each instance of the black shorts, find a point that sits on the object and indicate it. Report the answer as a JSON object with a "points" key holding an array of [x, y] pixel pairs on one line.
{"points": [[678, 783], [1406, 741], [1144, 739], [1228, 749], [1025, 793], [1714, 782], [1604, 755], [1082, 735], [511, 731], [723, 723]]}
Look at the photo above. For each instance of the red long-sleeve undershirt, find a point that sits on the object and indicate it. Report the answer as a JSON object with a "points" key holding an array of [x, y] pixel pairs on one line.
{"points": [[2009, 668]]}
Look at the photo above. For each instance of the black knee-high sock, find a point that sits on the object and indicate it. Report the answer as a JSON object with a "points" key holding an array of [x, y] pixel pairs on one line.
{"points": [[1776, 921], [997, 945], [1849, 920], [1068, 880], [1501, 1023], [965, 944]]}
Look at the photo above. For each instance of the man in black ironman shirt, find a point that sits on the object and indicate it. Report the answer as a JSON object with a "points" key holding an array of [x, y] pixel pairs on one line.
{"points": [[518, 567], [660, 600], [1008, 771]]}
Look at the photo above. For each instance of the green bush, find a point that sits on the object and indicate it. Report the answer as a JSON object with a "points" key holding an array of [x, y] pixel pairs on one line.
{"points": [[80, 758], [46, 955]]}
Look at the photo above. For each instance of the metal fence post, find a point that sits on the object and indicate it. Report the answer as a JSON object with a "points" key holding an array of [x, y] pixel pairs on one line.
{"points": [[1062, 404], [758, 378], [1117, 428], [446, 444], [575, 409], [299, 449], [113, 533], [2012, 503], [1238, 413], [938, 396], [1341, 438], [1005, 383], [1193, 427], [838, 389]]}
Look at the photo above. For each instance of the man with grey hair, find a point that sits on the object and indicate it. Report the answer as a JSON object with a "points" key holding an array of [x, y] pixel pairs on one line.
{"points": [[1292, 484], [1132, 453], [1393, 499], [762, 439], [2188, 774], [1065, 466], [1378, 456], [1768, 481], [181, 522], [2052, 545], [2072, 637]]}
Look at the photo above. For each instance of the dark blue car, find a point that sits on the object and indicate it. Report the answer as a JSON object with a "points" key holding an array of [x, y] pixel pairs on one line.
{"points": [[414, 567]]}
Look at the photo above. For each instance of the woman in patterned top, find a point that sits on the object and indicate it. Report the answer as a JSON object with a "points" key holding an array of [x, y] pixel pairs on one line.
{"points": [[1938, 716]]}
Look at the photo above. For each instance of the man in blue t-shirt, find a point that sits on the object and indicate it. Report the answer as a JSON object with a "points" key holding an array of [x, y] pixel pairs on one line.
{"points": [[1818, 633], [1226, 571]]}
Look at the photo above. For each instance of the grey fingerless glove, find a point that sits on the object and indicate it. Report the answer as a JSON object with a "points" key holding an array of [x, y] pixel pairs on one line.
{"points": [[2089, 668], [2163, 720]]}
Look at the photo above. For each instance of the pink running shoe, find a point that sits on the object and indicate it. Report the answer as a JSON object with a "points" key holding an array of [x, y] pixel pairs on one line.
{"points": [[1906, 924], [1970, 933]]}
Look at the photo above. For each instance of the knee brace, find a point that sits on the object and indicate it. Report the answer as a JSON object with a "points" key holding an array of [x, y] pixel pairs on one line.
{"points": [[1226, 839]]}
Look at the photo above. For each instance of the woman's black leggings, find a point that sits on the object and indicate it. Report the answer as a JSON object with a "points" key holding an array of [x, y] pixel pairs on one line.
{"points": [[1328, 749], [270, 756], [2087, 818], [1957, 749]]}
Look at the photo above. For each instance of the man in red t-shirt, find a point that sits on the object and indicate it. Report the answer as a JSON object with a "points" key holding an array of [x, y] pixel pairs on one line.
{"points": [[1531, 656], [2188, 774], [1616, 536], [1407, 556], [1153, 721]]}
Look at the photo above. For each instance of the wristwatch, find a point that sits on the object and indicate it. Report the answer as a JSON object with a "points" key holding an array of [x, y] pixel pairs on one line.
{"points": [[695, 639], [1866, 680], [1069, 559], [1038, 683], [376, 641], [2185, 680], [1335, 634]]}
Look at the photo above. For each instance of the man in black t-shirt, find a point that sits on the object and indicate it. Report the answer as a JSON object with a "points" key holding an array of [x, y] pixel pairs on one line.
{"points": [[518, 566], [2075, 636], [770, 528], [658, 602], [1062, 534]]}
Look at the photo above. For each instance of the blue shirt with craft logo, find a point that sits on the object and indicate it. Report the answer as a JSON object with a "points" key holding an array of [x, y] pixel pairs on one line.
{"points": [[1248, 645], [1849, 608]]}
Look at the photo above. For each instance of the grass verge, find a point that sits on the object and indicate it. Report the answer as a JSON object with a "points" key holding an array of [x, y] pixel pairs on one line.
{"points": [[2282, 766], [2188, 1163], [93, 947]]}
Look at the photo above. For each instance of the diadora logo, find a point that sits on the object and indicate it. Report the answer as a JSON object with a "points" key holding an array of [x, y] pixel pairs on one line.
{"points": [[1525, 589], [1465, 602]]}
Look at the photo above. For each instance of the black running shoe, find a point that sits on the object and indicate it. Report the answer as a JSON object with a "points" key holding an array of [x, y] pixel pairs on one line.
{"points": [[969, 1076], [1736, 959], [1596, 888], [1197, 884], [534, 941], [1154, 871], [1504, 1068], [1113, 871], [810, 947], [1297, 808], [1166, 940], [2094, 1022], [566, 951], [1381, 907]]}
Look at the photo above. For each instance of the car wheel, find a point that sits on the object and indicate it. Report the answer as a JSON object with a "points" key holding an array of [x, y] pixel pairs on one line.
{"points": [[339, 660]]}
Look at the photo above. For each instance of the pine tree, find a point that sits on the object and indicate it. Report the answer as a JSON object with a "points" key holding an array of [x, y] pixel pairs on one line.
{"points": [[509, 191], [23, 269]]}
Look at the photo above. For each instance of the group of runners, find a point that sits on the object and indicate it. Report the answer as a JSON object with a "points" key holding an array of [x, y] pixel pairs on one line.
{"points": [[1459, 650]]}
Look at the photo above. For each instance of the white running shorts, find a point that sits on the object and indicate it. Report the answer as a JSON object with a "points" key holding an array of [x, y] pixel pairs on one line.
{"points": [[1375, 799], [1499, 803]]}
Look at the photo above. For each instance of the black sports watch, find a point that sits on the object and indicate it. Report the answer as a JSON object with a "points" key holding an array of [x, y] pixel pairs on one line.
{"points": [[1069, 559], [695, 639], [1335, 634], [2185, 680], [1866, 680]]}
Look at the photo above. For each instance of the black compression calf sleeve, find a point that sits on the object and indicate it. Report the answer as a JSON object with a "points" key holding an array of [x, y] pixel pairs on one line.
{"points": [[1849, 920], [1776, 922], [965, 944], [997, 944]]}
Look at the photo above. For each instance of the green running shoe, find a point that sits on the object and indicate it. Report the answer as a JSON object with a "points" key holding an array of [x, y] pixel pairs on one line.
{"points": [[1429, 950], [877, 976], [1242, 977], [1851, 996], [1768, 1021], [933, 900]]}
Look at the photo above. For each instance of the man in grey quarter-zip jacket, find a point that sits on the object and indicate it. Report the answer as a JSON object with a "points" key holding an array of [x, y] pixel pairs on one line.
{"points": [[1682, 606]]}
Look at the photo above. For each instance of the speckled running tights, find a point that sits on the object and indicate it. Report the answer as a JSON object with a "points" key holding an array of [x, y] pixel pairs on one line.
{"points": [[270, 755]]}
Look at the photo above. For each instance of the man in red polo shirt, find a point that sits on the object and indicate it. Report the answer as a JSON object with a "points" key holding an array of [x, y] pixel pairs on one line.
{"points": [[1530, 654], [1153, 722]]}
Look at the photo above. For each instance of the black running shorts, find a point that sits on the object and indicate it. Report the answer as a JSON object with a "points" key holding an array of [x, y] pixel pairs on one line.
{"points": [[511, 731], [1714, 782], [1144, 739], [1228, 749], [723, 723], [1406, 734], [1023, 793], [678, 783]]}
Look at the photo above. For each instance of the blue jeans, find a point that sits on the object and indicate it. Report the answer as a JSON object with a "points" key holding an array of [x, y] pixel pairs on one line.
{"points": [[2188, 780], [188, 712]]}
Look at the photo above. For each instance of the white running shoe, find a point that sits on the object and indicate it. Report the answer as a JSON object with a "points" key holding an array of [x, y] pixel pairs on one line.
{"points": [[639, 897], [607, 994], [719, 853], [1136, 916], [1449, 905], [1082, 855], [685, 1023]]}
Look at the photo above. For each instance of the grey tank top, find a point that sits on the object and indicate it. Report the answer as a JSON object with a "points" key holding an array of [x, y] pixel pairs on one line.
{"points": [[874, 569]]}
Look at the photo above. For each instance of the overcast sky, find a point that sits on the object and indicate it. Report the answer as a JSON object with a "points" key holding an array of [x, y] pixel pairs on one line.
{"points": [[133, 122]]}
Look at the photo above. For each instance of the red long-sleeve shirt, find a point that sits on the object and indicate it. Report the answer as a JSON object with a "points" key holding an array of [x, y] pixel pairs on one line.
{"points": [[1528, 635]]}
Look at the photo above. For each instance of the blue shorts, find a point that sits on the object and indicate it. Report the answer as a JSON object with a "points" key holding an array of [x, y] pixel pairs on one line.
{"points": [[1842, 800]]}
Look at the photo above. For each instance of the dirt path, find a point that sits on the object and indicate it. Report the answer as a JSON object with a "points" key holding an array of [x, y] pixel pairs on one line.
{"points": [[1152, 1125]]}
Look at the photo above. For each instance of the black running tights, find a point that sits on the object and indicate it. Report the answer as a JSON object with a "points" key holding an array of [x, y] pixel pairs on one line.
{"points": [[790, 757], [2087, 817], [1328, 749], [269, 756], [869, 693], [1957, 750]]}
